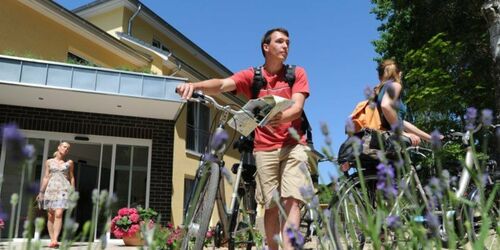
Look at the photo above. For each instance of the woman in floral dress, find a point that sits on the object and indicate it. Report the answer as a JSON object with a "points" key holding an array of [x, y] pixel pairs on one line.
{"points": [[57, 183]]}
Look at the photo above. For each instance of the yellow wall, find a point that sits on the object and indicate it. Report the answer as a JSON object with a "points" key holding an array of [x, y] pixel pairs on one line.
{"points": [[185, 165], [48, 39]]}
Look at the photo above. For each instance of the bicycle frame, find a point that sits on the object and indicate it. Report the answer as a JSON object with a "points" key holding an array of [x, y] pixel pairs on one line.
{"points": [[213, 159]]}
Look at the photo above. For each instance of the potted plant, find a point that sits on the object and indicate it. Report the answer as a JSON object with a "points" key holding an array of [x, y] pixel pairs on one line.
{"points": [[127, 223]]}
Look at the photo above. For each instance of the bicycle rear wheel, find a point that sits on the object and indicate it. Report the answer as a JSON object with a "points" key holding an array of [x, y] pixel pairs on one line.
{"points": [[200, 208]]}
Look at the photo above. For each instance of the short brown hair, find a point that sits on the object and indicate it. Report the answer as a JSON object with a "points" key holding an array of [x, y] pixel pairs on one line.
{"points": [[266, 39]]}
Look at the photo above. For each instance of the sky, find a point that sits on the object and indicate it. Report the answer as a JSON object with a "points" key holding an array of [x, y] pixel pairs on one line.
{"points": [[331, 39]]}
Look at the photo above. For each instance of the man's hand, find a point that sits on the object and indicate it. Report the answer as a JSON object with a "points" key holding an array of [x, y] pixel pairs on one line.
{"points": [[185, 90], [276, 120]]}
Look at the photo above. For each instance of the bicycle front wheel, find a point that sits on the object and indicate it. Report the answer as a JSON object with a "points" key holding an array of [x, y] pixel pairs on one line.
{"points": [[353, 211], [200, 208]]}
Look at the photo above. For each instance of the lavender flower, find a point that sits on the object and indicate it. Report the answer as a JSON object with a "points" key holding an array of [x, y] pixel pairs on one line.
{"points": [[219, 139], [324, 129], [390, 90], [33, 188], [369, 94], [385, 182], [436, 140], [470, 118], [487, 117], [16, 143], [227, 175], [349, 126], [393, 221], [307, 192], [328, 140], [296, 238], [433, 222], [356, 145], [397, 128]]}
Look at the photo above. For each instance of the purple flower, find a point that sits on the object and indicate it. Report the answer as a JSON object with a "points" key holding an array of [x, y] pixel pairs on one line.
{"points": [[390, 90], [436, 139], [487, 117], [393, 221], [219, 139], [397, 127], [385, 182], [349, 127], [324, 129], [296, 238], [16, 143], [433, 222], [328, 140], [307, 192], [368, 91], [470, 118], [33, 188], [356, 145], [29, 151]]}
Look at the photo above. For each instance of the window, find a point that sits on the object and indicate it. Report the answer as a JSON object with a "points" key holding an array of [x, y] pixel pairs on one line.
{"points": [[159, 45], [188, 186], [74, 59], [198, 127]]}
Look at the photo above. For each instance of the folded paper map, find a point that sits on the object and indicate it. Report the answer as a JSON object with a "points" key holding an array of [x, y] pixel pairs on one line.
{"points": [[258, 112]]}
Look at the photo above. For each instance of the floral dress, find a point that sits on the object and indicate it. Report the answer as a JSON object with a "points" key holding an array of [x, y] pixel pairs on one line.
{"points": [[58, 188]]}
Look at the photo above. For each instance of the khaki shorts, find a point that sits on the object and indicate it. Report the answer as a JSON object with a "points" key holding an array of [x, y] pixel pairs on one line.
{"points": [[284, 170]]}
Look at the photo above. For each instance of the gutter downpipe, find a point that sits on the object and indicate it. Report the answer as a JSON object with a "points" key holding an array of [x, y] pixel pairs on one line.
{"points": [[132, 18]]}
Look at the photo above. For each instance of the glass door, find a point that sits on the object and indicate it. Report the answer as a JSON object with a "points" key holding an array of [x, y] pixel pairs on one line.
{"points": [[118, 165]]}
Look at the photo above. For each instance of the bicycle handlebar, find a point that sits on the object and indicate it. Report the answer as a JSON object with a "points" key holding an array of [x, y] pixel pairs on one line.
{"points": [[198, 96]]}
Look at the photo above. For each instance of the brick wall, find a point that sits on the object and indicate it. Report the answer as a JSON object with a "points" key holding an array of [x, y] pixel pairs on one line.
{"points": [[160, 131]]}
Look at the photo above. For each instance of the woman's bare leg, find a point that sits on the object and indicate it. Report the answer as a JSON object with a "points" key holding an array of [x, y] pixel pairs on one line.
{"points": [[57, 223], [50, 224]]}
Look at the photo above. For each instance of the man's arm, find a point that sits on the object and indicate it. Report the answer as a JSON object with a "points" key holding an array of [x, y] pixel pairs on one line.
{"points": [[292, 113], [210, 87]]}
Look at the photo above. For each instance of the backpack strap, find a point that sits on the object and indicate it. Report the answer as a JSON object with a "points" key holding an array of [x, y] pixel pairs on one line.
{"points": [[290, 74], [258, 83]]}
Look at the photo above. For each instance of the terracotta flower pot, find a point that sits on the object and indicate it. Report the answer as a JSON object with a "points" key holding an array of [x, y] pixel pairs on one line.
{"points": [[135, 240]]}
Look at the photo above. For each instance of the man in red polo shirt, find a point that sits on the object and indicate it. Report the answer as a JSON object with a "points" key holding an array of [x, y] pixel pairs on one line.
{"points": [[280, 158]]}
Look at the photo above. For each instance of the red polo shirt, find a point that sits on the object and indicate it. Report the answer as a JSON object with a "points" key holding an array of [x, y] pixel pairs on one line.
{"points": [[269, 138]]}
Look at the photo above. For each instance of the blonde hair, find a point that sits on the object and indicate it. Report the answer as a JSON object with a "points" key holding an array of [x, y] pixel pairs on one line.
{"points": [[57, 151], [388, 70]]}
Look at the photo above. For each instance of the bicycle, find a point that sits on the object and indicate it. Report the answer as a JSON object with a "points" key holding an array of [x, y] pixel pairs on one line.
{"points": [[357, 202], [237, 219]]}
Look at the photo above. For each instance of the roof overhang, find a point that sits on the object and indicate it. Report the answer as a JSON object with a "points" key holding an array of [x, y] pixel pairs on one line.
{"points": [[52, 85], [80, 101], [84, 28]]}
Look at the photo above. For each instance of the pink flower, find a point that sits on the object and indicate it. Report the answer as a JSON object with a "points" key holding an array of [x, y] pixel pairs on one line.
{"points": [[123, 211], [209, 234], [132, 211], [170, 242], [118, 233], [134, 218], [170, 225]]}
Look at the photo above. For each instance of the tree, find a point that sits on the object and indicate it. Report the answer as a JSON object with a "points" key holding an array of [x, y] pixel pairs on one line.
{"points": [[443, 48], [491, 11]]}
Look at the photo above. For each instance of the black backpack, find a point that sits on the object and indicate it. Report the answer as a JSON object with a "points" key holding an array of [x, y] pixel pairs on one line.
{"points": [[260, 82]]}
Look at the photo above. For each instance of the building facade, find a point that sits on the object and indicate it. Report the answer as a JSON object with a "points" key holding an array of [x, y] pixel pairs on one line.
{"points": [[102, 77]]}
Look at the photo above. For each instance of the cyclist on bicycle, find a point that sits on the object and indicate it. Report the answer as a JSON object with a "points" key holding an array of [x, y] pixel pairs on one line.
{"points": [[279, 157], [388, 97]]}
